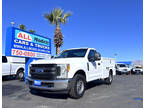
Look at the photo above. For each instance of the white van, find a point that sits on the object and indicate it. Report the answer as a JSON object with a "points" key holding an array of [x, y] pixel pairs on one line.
{"points": [[13, 66]]}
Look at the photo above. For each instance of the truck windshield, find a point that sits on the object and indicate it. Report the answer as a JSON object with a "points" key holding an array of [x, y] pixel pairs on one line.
{"points": [[138, 67], [121, 65], [4, 59], [72, 53]]}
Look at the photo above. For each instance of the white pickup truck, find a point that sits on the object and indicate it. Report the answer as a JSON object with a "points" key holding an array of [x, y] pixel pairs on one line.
{"points": [[122, 68], [137, 69], [13, 66], [70, 71]]}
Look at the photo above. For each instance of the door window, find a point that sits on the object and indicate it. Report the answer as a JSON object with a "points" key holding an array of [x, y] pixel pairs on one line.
{"points": [[4, 59], [91, 54]]}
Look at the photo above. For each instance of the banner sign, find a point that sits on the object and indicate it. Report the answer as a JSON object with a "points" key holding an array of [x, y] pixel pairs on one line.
{"points": [[25, 44]]}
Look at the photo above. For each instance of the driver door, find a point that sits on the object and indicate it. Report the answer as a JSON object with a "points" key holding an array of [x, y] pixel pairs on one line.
{"points": [[94, 66]]}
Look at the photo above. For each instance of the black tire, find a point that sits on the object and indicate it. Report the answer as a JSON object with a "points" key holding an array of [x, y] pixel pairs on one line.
{"points": [[132, 72], [109, 79], [20, 74], [77, 91]]}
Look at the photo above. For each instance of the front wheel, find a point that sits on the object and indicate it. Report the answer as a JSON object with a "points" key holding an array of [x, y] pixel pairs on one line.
{"points": [[78, 86], [109, 79]]}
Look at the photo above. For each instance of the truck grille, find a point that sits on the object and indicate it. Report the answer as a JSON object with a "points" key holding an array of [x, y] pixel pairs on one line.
{"points": [[44, 71]]}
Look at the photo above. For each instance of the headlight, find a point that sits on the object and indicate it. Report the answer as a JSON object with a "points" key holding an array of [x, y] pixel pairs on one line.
{"points": [[64, 69]]}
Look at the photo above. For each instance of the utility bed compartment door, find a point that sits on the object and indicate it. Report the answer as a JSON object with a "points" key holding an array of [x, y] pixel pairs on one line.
{"points": [[107, 64]]}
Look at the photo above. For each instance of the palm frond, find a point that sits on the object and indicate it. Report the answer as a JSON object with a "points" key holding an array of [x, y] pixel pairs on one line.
{"points": [[49, 17], [55, 17], [61, 13], [66, 15]]}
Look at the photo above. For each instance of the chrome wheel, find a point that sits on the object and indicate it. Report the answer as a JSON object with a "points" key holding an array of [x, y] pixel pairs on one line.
{"points": [[21, 75], [80, 87]]}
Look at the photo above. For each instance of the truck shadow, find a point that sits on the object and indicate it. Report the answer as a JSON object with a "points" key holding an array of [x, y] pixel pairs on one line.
{"points": [[11, 78], [8, 78], [49, 95], [95, 83]]}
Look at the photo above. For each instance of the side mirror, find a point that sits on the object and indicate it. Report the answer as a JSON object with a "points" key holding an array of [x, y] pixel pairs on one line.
{"points": [[97, 56]]}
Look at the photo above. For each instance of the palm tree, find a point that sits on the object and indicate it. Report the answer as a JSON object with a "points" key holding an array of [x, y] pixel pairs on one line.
{"points": [[22, 27], [32, 31], [57, 17]]}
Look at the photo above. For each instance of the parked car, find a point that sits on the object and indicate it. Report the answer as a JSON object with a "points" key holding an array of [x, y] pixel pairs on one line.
{"points": [[70, 71], [13, 66], [122, 69], [137, 70]]}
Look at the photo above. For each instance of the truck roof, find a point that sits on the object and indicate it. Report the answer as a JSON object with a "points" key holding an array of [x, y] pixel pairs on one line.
{"points": [[80, 48]]}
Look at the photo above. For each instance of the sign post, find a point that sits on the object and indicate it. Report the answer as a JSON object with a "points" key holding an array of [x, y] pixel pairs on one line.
{"points": [[31, 46]]}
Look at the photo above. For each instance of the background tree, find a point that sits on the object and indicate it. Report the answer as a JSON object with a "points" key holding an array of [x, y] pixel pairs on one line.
{"points": [[22, 27], [32, 31], [57, 17]]}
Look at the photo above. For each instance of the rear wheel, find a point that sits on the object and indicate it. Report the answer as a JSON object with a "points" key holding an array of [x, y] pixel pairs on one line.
{"points": [[78, 86], [109, 79], [20, 74]]}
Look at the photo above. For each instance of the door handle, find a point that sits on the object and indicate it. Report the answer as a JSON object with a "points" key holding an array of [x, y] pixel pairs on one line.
{"points": [[88, 66]]}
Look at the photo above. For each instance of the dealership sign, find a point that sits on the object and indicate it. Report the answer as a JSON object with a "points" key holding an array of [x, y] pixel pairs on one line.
{"points": [[25, 44]]}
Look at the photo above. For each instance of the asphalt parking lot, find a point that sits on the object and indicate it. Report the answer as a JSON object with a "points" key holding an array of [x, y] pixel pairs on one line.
{"points": [[125, 92]]}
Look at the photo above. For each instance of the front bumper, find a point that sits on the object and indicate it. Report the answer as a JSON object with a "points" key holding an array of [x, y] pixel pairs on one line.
{"points": [[122, 72], [137, 72], [50, 85]]}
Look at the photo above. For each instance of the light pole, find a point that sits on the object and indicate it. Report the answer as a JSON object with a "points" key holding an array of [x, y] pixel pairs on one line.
{"points": [[115, 55], [12, 23]]}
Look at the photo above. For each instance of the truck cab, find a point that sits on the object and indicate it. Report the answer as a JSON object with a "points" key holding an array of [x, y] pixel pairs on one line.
{"points": [[70, 71]]}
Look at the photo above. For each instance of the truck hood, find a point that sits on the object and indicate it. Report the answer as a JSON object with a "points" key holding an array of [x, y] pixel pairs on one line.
{"points": [[57, 61], [139, 69]]}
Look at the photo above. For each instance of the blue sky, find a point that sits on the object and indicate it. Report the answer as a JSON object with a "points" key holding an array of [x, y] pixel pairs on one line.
{"points": [[110, 26]]}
